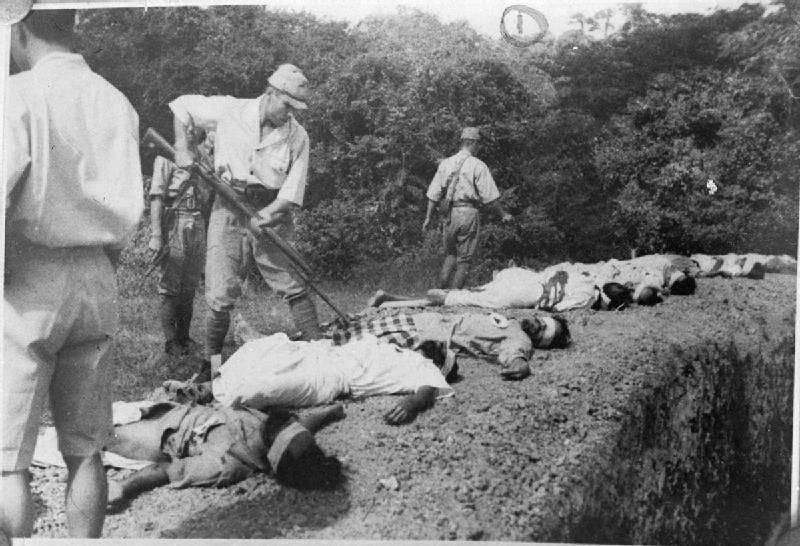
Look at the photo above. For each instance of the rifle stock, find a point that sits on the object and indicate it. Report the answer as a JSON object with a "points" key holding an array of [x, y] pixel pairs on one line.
{"points": [[154, 141]]}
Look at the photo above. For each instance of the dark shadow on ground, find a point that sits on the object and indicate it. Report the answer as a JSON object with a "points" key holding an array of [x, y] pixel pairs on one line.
{"points": [[270, 512]]}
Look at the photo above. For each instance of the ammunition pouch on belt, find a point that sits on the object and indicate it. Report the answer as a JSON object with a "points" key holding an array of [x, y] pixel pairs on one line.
{"points": [[167, 220], [258, 195], [184, 202]]}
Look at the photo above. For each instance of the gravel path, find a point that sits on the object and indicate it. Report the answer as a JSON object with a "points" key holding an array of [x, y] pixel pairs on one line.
{"points": [[480, 465]]}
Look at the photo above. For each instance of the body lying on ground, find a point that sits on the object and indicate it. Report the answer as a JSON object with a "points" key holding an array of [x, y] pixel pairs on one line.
{"points": [[509, 342], [563, 286], [751, 265], [203, 446], [276, 371]]}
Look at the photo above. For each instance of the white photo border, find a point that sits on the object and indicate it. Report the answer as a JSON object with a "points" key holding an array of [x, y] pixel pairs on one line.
{"points": [[5, 40]]}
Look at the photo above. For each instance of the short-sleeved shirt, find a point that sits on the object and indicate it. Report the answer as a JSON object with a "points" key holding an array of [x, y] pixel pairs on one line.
{"points": [[214, 445], [71, 159], [276, 371], [278, 162], [168, 178], [475, 183]]}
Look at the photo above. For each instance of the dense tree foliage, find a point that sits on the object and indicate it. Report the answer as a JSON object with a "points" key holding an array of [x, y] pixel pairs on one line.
{"points": [[603, 141]]}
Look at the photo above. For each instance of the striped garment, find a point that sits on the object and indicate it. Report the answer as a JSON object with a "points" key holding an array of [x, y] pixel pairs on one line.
{"points": [[398, 329]]}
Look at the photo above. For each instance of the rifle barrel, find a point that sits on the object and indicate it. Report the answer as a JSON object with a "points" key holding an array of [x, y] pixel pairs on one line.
{"points": [[156, 142]]}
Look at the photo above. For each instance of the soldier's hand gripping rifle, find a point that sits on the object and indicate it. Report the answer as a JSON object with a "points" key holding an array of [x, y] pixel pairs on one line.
{"points": [[207, 176]]}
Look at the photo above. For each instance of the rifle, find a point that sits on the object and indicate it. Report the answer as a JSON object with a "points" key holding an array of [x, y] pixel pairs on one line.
{"points": [[207, 176], [162, 253]]}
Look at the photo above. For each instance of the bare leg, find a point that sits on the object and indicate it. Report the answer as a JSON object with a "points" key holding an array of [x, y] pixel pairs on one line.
{"points": [[408, 408], [140, 441], [447, 270], [140, 481], [16, 504], [87, 493], [381, 297], [317, 420]]}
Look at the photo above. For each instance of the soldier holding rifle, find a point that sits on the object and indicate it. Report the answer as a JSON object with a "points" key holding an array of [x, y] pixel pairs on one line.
{"points": [[263, 151], [178, 216]]}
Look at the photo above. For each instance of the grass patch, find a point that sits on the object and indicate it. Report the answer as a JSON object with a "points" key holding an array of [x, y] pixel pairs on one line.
{"points": [[138, 363]]}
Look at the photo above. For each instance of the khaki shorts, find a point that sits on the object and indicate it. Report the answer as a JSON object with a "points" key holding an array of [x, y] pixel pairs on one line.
{"points": [[60, 311], [461, 234], [226, 258]]}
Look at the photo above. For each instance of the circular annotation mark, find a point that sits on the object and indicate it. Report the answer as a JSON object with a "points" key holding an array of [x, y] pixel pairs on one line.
{"points": [[529, 25], [12, 11]]}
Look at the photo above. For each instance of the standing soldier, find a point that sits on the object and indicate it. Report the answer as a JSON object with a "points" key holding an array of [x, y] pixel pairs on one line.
{"points": [[462, 183], [263, 152], [178, 238], [73, 196]]}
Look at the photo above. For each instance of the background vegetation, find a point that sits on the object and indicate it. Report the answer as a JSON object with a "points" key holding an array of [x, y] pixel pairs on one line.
{"points": [[602, 140]]}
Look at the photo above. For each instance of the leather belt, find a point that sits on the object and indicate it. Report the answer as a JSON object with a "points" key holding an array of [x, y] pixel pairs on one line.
{"points": [[464, 204], [259, 196], [188, 204]]}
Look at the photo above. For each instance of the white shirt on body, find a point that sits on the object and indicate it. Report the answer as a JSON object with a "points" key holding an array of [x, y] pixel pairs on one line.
{"points": [[276, 371]]}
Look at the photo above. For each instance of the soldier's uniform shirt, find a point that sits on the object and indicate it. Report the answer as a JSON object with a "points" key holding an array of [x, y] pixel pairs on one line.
{"points": [[181, 270], [73, 186], [278, 162], [473, 187]]}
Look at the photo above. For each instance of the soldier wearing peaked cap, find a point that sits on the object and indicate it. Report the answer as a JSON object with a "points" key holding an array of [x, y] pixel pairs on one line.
{"points": [[462, 184], [263, 152]]}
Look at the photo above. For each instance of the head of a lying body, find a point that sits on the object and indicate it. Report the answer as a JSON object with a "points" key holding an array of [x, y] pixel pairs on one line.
{"points": [[444, 358], [647, 295], [294, 456], [612, 297], [549, 332], [754, 270], [682, 284]]}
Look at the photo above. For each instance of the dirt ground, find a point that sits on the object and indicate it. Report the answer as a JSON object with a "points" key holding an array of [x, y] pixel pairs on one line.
{"points": [[483, 464]]}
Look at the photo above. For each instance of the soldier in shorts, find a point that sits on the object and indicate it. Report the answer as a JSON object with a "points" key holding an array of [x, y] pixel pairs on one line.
{"points": [[178, 215], [462, 184], [263, 152], [73, 197]]}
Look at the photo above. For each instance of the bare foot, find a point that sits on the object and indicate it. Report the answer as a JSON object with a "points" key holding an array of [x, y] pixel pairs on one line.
{"points": [[436, 296], [116, 496], [377, 299]]}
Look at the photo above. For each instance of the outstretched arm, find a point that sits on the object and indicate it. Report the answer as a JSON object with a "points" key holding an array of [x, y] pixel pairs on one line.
{"points": [[500, 211], [140, 481], [408, 408], [315, 421], [516, 370]]}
